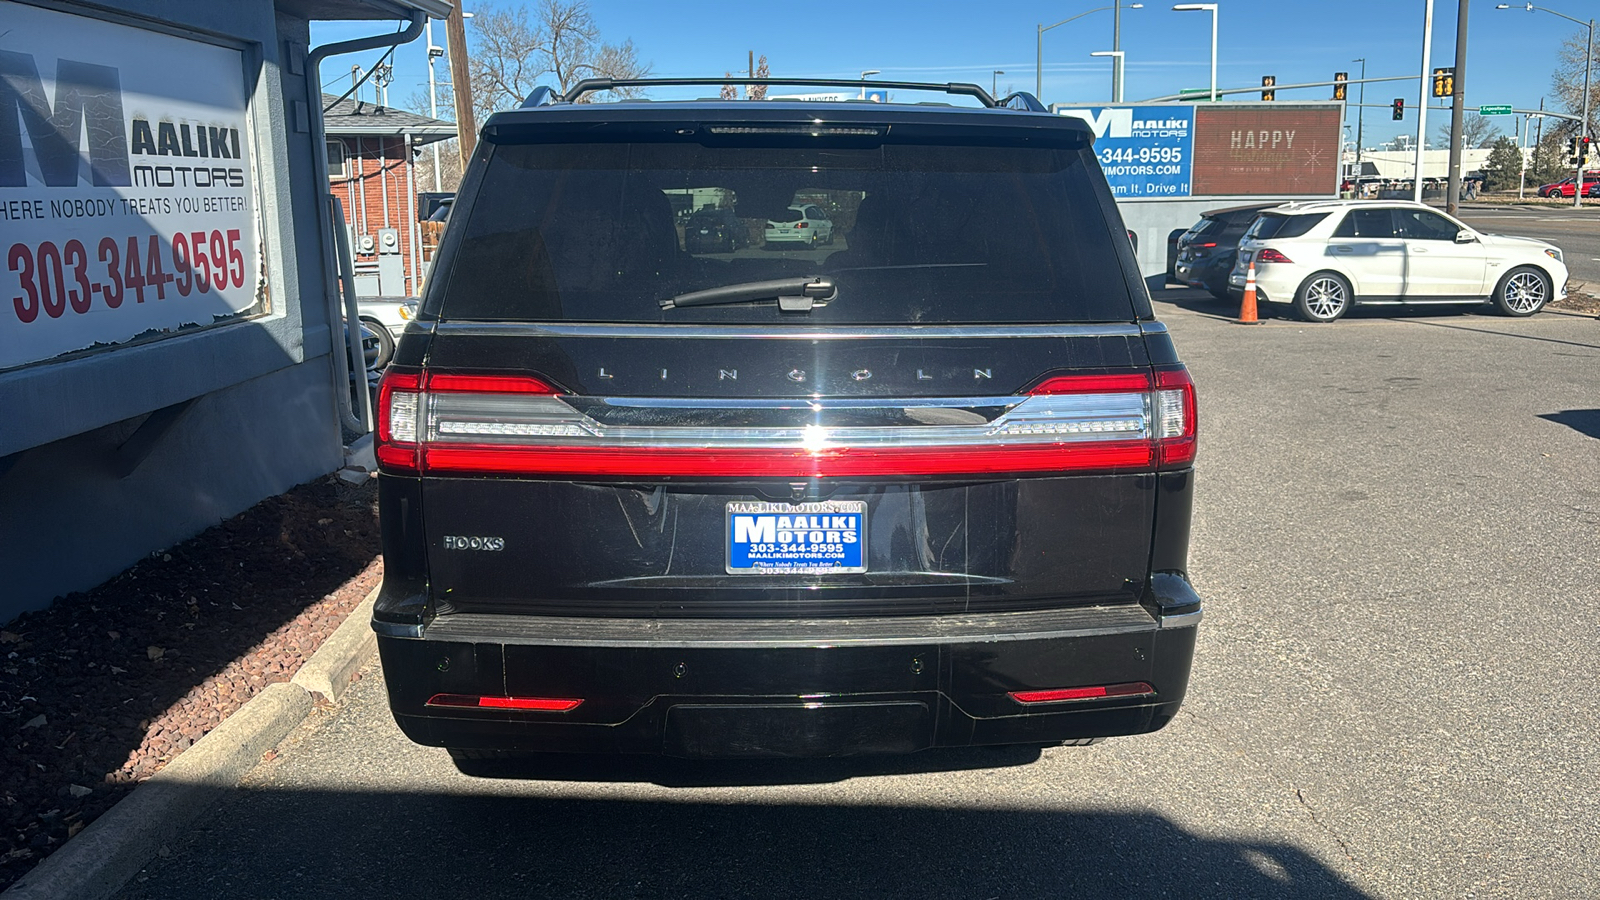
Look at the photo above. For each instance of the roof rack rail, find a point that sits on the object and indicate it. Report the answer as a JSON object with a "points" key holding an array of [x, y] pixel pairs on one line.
{"points": [[1022, 100], [594, 85], [541, 96]]}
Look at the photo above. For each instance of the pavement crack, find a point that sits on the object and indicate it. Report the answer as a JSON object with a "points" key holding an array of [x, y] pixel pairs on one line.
{"points": [[1272, 774], [1312, 812]]}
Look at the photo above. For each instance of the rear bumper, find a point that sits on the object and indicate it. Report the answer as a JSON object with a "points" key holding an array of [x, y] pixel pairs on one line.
{"points": [[754, 688]]}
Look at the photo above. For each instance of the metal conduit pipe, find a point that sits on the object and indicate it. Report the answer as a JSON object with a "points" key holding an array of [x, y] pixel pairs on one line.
{"points": [[357, 419]]}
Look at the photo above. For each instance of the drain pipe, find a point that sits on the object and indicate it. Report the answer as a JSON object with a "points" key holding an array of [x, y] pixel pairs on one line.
{"points": [[356, 418]]}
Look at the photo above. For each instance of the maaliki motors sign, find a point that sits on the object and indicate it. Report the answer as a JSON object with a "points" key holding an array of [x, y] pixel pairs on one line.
{"points": [[127, 206]]}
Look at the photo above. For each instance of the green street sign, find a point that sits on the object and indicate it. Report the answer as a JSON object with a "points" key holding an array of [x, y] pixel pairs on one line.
{"points": [[1494, 110]]}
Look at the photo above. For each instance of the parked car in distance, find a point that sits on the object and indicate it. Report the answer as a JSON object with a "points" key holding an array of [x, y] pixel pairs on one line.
{"points": [[804, 224], [442, 212], [1326, 256], [714, 229], [1207, 250], [387, 317], [1174, 242], [1568, 186], [928, 487]]}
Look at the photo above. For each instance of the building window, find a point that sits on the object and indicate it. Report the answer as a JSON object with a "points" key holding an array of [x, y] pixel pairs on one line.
{"points": [[337, 161]]}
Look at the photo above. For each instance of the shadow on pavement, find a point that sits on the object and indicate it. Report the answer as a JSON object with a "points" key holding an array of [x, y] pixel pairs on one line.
{"points": [[1583, 421], [1509, 334], [685, 773], [381, 844]]}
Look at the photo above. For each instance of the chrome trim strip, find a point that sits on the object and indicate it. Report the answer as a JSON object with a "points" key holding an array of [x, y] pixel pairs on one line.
{"points": [[789, 633], [745, 332], [1047, 419], [392, 630], [818, 404], [1185, 620]]}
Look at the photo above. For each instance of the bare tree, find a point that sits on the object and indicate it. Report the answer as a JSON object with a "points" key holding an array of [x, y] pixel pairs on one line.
{"points": [[1567, 80], [449, 156], [759, 91], [729, 92], [514, 51], [1476, 132]]}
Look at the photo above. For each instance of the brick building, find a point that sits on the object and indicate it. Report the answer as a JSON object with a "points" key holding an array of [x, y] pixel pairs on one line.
{"points": [[372, 154]]}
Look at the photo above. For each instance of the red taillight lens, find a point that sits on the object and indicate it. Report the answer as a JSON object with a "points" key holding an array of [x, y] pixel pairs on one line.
{"points": [[1096, 692], [1270, 255], [468, 383], [472, 701], [1207, 246], [1093, 384], [803, 225], [522, 425]]}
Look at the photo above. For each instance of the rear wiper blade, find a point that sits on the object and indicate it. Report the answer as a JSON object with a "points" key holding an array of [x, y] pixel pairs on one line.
{"points": [[793, 294]]}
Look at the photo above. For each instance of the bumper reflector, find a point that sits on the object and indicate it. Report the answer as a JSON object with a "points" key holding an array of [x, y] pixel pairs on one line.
{"points": [[469, 701], [1095, 692]]}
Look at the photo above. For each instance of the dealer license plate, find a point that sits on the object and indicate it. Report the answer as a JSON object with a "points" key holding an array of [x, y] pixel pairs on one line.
{"points": [[829, 537]]}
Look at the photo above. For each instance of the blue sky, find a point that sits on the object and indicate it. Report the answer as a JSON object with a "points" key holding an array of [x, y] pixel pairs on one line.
{"points": [[1511, 54]]}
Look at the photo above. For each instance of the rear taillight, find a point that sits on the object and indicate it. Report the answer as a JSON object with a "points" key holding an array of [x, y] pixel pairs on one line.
{"points": [[1206, 246], [1270, 255], [1177, 421], [802, 225], [473, 423]]}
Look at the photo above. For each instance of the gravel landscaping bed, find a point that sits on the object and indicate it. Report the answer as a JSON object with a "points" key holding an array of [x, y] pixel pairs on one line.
{"points": [[99, 691]]}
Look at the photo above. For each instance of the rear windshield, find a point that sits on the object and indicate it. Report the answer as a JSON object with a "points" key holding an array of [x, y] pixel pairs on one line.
{"points": [[1270, 226], [908, 233]]}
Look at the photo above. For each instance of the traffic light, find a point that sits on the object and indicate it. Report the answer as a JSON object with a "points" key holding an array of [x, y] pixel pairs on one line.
{"points": [[1578, 150], [1399, 109], [1444, 82], [1339, 79], [1266, 82]]}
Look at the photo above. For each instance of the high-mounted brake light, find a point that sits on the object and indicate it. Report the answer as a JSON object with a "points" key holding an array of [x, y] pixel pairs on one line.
{"points": [[522, 425], [1270, 255]]}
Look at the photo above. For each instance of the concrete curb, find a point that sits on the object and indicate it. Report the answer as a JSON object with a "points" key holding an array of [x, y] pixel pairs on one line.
{"points": [[329, 670], [100, 859]]}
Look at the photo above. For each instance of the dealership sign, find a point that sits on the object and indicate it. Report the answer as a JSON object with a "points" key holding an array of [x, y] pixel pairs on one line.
{"points": [[1145, 151], [127, 205]]}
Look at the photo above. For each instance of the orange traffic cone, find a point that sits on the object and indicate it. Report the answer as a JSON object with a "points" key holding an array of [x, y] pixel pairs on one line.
{"points": [[1247, 308]]}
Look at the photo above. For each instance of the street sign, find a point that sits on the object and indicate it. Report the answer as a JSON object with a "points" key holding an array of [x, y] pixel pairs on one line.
{"points": [[1494, 110]]}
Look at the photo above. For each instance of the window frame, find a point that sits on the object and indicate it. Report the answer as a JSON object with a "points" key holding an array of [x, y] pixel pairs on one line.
{"points": [[341, 169]]}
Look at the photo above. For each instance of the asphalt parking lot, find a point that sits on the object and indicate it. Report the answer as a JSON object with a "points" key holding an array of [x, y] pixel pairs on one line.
{"points": [[1396, 530]]}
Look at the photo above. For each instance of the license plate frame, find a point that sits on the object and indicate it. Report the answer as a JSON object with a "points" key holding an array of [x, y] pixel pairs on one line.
{"points": [[747, 552]]}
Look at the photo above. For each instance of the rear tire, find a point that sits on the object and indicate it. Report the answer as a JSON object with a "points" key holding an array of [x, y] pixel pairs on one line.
{"points": [[1522, 292], [385, 342], [1323, 298]]}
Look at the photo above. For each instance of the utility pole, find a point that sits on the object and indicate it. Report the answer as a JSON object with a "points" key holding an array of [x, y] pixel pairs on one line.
{"points": [[1361, 117], [1452, 192], [433, 103], [1422, 100], [461, 83], [1116, 45]]}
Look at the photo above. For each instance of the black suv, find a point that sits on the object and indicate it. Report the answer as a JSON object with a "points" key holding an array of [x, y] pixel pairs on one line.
{"points": [[927, 485], [1206, 250]]}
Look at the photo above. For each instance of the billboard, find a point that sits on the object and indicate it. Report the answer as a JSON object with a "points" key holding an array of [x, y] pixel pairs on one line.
{"points": [[127, 193], [1267, 149], [1146, 151], [1242, 149]]}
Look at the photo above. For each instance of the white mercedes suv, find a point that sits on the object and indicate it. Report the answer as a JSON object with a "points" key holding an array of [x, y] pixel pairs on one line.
{"points": [[1326, 256]]}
